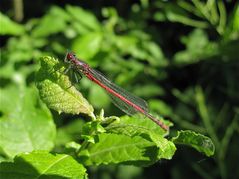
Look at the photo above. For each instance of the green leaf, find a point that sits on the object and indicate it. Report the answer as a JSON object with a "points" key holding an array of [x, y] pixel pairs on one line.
{"points": [[232, 30], [126, 43], [7, 69], [72, 147], [96, 92], [84, 18], [69, 132], [113, 148], [27, 51], [57, 16], [9, 27], [92, 126], [145, 128], [148, 90], [175, 13], [160, 107], [177, 17], [88, 45], [200, 142], [137, 121], [25, 124], [57, 91], [132, 141], [40, 164], [198, 47], [155, 55]]}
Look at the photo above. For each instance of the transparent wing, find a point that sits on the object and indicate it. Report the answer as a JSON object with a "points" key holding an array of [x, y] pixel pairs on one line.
{"points": [[124, 106]]}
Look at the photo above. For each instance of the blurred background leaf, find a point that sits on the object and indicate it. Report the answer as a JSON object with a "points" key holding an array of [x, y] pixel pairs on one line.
{"points": [[9, 27], [180, 56], [26, 124]]}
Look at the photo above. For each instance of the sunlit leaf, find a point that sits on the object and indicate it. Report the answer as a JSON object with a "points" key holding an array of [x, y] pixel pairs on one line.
{"points": [[26, 51], [113, 148], [41, 164], [57, 91], [56, 16], [9, 27], [134, 126], [25, 124], [83, 17], [88, 45]]}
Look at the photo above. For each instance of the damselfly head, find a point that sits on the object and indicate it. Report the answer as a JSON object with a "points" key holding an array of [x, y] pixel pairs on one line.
{"points": [[70, 56]]}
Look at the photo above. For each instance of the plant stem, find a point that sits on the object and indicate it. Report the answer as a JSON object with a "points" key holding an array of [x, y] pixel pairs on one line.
{"points": [[205, 116], [18, 10], [226, 139], [223, 18]]}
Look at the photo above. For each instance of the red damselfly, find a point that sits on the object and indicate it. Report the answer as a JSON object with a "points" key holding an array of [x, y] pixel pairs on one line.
{"points": [[124, 100]]}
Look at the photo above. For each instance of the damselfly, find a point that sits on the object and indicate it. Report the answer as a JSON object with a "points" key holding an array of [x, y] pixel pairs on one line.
{"points": [[124, 100]]}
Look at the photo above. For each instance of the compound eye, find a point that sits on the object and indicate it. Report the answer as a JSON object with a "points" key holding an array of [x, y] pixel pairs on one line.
{"points": [[69, 56]]}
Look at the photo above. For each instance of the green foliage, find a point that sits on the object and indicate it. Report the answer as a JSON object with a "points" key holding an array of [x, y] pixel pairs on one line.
{"points": [[57, 91], [113, 148], [42, 164], [182, 57], [27, 118], [199, 142], [45, 27], [198, 47], [131, 130], [9, 27], [133, 140]]}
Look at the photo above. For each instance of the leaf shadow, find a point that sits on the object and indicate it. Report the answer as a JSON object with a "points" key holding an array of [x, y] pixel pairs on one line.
{"points": [[150, 152], [21, 169]]}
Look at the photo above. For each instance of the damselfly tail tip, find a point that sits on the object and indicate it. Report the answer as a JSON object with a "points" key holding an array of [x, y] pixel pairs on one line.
{"points": [[163, 126]]}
